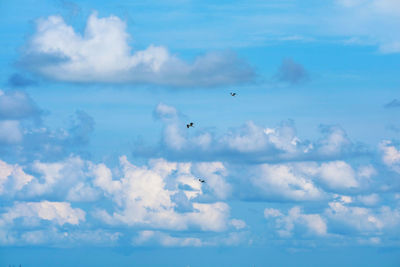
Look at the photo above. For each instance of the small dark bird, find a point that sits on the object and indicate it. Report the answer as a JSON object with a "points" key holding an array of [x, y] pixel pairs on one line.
{"points": [[202, 181], [189, 125], [233, 94]]}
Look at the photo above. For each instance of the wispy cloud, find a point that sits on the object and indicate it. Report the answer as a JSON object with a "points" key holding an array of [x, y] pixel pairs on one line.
{"points": [[393, 104]]}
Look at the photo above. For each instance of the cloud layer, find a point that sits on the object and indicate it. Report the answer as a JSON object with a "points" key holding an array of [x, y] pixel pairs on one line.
{"points": [[308, 190], [249, 142]]}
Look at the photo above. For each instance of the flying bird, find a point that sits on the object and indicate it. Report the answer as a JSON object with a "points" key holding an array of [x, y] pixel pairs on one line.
{"points": [[189, 125], [233, 94], [202, 181]]}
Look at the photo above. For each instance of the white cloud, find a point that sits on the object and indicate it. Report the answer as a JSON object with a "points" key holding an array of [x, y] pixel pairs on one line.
{"points": [[66, 180], [144, 198], [343, 198], [165, 112], [103, 179], [82, 192], [364, 220], [173, 137], [390, 155], [103, 54], [334, 141], [57, 177], [299, 181], [12, 178], [250, 141], [282, 181], [160, 194], [214, 173], [250, 138], [338, 175], [253, 138], [283, 138], [286, 224], [366, 171], [58, 212]]}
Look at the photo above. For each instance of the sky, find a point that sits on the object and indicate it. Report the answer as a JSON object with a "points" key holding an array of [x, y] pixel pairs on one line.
{"points": [[98, 167]]}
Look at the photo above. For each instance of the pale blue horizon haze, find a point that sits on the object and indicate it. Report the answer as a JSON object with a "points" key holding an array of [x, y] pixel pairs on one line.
{"points": [[98, 167]]}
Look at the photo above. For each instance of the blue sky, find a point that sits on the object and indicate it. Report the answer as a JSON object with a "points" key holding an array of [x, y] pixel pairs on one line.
{"points": [[302, 166]]}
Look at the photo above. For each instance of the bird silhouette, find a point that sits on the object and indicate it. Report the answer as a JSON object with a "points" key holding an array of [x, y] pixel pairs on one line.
{"points": [[233, 94], [202, 181], [189, 125]]}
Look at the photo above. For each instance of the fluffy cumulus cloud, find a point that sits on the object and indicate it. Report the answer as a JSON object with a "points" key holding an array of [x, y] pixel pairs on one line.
{"points": [[250, 142], [71, 200], [345, 217], [159, 196], [59, 213], [282, 181], [78, 180], [62, 180], [12, 178], [390, 155], [338, 175], [306, 181], [296, 220], [335, 141], [164, 204], [342, 219], [145, 196], [103, 54], [282, 166], [42, 198]]}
